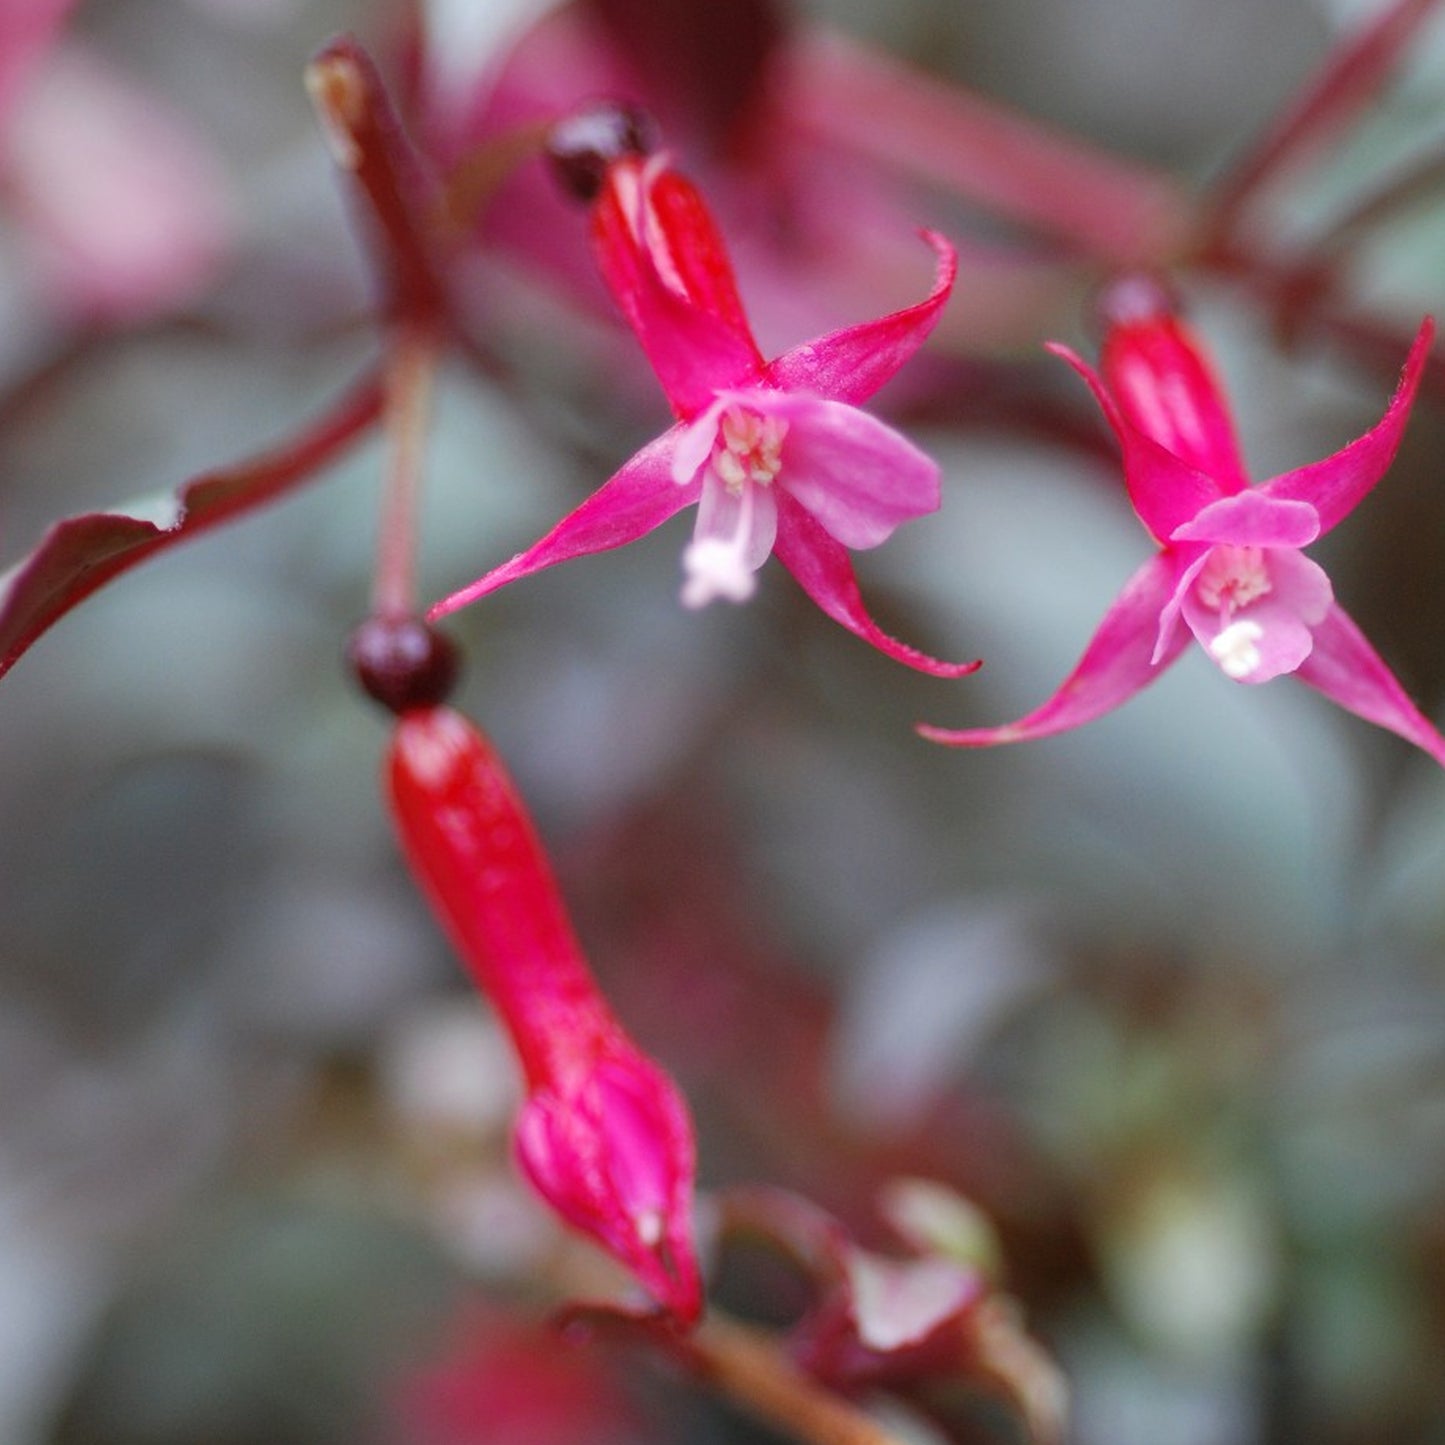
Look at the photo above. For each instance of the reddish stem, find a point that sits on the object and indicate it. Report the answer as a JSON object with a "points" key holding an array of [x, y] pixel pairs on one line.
{"points": [[1349, 81], [752, 1370], [408, 398], [1124, 214]]}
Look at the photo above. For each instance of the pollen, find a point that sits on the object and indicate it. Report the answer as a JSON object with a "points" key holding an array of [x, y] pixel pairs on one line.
{"points": [[749, 448]]}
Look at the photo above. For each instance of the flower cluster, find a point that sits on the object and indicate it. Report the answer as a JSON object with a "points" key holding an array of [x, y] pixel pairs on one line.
{"points": [[780, 456]]}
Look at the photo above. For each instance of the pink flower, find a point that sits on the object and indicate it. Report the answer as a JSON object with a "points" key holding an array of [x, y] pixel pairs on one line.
{"points": [[1230, 572], [776, 455], [604, 1135]]}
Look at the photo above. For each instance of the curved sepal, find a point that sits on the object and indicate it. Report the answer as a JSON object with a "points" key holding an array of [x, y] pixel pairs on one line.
{"points": [[1166, 490], [851, 364], [1350, 672], [1339, 483], [637, 498], [1118, 662], [824, 571]]}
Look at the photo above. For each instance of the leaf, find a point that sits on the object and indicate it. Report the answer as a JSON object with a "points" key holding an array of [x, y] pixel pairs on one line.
{"points": [[82, 553]]}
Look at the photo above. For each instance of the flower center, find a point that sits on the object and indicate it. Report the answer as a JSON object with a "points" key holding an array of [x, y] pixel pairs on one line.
{"points": [[748, 448], [1232, 578]]}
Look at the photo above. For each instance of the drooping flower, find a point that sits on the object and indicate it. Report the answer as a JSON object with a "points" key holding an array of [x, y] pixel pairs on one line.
{"points": [[604, 1135], [1230, 572], [777, 455]]}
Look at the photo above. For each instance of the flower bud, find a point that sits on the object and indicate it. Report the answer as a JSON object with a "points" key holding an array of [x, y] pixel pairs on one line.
{"points": [[604, 1136]]}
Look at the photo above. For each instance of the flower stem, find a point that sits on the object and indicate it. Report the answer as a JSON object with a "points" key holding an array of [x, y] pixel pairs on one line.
{"points": [[408, 408], [1351, 79], [1125, 214], [747, 1366]]}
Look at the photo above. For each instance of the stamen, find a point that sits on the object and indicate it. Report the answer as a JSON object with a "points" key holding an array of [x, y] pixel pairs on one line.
{"points": [[1232, 578], [748, 448], [1236, 649]]}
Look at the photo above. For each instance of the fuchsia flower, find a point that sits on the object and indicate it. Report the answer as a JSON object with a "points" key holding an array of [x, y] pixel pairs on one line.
{"points": [[604, 1135], [1230, 573], [776, 455]]}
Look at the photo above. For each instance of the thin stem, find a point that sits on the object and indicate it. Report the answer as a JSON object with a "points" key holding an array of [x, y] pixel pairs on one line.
{"points": [[1117, 211], [747, 1366], [1418, 184], [408, 408], [1350, 80]]}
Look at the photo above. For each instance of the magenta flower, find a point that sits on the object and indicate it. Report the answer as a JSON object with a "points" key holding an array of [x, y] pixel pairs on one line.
{"points": [[604, 1135], [1230, 572], [776, 455]]}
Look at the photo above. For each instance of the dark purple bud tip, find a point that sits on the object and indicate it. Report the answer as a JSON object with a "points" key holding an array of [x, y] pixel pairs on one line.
{"points": [[582, 145], [1133, 298], [403, 662]]}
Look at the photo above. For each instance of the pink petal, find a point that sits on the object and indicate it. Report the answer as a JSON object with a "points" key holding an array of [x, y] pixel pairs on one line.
{"points": [[1165, 388], [857, 476], [638, 498], [825, 573], [128, 209], [1302, 585], [1166, 491], [1252, 519], [1117, 663], [851, 364], [1191, 563], [1272, 638], [1337, 485], [1351, 673], [667, 268]]}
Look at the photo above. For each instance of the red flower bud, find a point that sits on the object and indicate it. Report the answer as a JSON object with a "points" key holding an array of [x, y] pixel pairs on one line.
{"points": [[604, 1136]]}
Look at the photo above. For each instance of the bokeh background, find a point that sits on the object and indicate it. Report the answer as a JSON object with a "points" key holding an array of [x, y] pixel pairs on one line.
{"points": [[1164, 997]]}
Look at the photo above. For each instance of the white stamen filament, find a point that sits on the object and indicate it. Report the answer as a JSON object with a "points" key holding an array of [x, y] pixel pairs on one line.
{"points": [[717, 566], [746, 454]]}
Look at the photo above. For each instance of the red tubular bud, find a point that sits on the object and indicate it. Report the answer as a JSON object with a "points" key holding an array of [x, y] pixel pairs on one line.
{"points": [[1162, 381], [604, 1136]]}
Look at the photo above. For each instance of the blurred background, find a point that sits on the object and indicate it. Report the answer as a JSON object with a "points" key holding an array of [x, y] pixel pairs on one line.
{"points": [[1164, 997]]}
